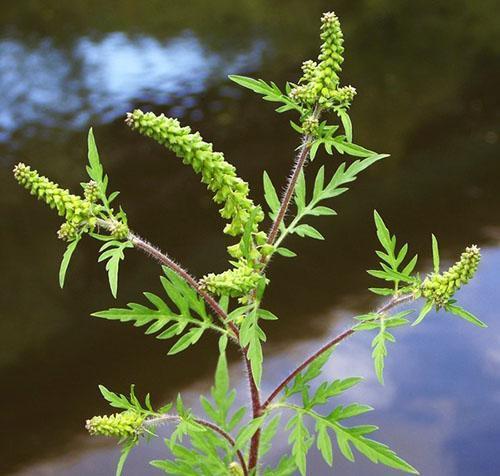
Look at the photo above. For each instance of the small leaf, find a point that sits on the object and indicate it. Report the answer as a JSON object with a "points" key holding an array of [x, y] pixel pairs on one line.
{"points": [[460, 312], [286, 252], [308, 230], [270, 194], [435, 254], [66, 259], [346, 123], [427, 307]]}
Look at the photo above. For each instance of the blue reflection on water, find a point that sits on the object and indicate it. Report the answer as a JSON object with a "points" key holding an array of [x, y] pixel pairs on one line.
{"points": [[45, 86]]}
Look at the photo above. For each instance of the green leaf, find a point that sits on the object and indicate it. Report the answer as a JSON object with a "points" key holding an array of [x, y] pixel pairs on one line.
{"points": [[351, 149], [307, 230], [300, 191], [127, 447], [346, 123], [270, 194], [320, 211], [435, 254], [66, 259], [301, 441], [189, 338], [94, 169], [113, 252], [267, 435], [392, 260], [286, 252], [270, 92], [247, 431], [251, 336], [426, 308], [460, 312], [285, 467], [379, 352], [323, 443]]}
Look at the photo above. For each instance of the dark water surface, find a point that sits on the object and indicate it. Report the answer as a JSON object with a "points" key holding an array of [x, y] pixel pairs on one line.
{"points": [[427, 74]]}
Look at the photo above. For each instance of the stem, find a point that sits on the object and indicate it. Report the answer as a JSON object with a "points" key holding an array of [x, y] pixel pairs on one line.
{"points": [[166, 418], [292, 181], [256, 412], [396, 301], [165, 260]]}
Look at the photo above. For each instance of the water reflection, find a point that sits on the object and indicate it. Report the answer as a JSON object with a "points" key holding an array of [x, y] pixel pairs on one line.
{"points": [[98, 80]]}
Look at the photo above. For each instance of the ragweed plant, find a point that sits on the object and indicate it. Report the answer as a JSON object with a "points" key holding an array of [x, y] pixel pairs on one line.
{"points": [[229, 440]]}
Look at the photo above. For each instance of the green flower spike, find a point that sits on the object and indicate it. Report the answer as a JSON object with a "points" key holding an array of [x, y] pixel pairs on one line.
{"points": [[235, 282], [119, 425], [330, 58], [72, 207], [440, 288], [320, 80], [219, 175]]}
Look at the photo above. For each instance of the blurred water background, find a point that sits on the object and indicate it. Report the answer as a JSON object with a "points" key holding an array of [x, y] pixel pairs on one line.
{"points": [[427, 74]]}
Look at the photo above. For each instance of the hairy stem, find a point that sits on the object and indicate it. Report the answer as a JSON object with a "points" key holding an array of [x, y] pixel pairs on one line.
{"points": [[155, 421], [256, 412], [165, 260], [396, 301], [292, 181]]}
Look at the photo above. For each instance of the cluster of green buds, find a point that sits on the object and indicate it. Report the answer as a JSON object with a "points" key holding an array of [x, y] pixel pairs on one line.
{"points": [[91, 191], [81, 214], [236, 282], [118, 230], [216, 173], [440, 288], [78, 212], [320, 80], [344, 96], [310, 125], [119, 425], [235, 469]]}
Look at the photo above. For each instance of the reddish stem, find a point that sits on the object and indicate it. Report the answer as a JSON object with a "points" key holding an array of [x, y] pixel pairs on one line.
{"points": [[292, 181], [384, 308], [165, 260], [256, 412]]}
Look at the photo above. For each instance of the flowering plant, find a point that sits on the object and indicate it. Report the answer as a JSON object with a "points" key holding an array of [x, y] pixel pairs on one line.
{"points": [[227, 441]]}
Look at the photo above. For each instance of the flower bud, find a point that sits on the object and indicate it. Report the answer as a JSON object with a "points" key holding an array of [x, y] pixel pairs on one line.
{"points": [[234, 282], [235, 469], [67, 232], [440, 288], [119, 425], [91, 191], [119, 230]]}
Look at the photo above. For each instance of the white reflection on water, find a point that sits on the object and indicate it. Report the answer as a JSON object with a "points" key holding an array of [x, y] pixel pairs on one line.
{"points": [[439, 408], [46, 86]]}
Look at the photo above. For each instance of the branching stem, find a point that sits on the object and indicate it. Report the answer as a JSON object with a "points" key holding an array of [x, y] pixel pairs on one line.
{"points": [[165, 260], [395, 301]]}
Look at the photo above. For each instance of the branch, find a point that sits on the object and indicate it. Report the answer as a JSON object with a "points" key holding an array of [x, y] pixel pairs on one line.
{"points": [[166, 418], [165, 260], [292, 181], [396, 301]]}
